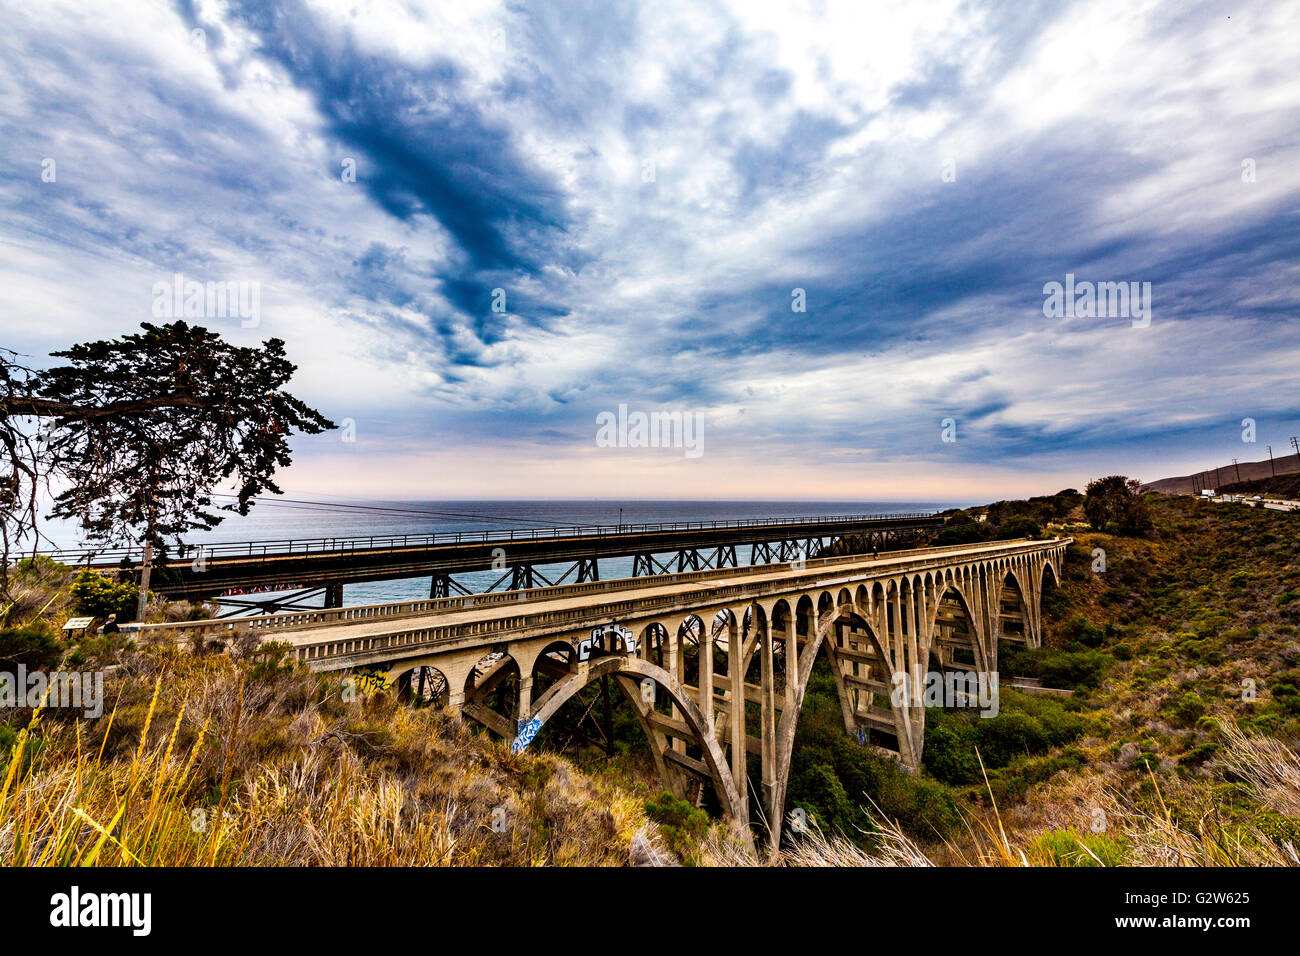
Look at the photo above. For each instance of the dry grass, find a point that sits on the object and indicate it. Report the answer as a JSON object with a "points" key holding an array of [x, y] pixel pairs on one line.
{"points": [[209, 760], [1269, 767], [200, 764], [1149, 837]]}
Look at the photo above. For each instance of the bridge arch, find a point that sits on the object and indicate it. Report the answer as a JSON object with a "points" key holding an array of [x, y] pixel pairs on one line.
{"points": [[424, 684], [630, 673], [954, 633], [552, 664], [1013, 609], [873, 622], [492, 691], [821, 641]]}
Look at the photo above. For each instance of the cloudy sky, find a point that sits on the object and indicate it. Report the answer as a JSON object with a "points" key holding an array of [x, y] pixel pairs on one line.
{"points": [[648, 185]]}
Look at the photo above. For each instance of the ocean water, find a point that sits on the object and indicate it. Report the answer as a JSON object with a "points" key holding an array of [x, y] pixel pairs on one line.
{"points": [[295, 519]]}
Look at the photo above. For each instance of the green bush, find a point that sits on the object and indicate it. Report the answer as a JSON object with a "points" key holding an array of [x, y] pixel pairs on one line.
{"points": [[960, 529], [682, 825], [1019, 526], [99, 596], [1026, 726], [35, 646], [950, 753], [833, 778], [1188, 710]]}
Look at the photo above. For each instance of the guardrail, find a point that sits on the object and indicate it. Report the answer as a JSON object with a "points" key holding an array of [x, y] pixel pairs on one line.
{"points": [[287, 547], [268, 625]]}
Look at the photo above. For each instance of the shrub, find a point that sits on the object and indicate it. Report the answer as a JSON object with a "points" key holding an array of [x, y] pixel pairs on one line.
{"points": [[682, 825], [33, 645], [1019, 526], [960, 529], [1188, 710], [98, 596]]}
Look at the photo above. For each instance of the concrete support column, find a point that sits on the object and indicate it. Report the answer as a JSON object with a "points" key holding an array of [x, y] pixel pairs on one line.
{"points": [[525, 709], [675, 668], [736, 672], [768, 719], [791, 661], [899, 661], [706, 680]]}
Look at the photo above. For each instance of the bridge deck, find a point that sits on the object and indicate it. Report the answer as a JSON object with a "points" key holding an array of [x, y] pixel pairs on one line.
{"points": [[288, 565], [506, 609]]}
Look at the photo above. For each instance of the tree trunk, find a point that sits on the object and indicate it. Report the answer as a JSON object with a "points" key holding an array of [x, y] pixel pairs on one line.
{"points": [[145, 567], [146, 559]]}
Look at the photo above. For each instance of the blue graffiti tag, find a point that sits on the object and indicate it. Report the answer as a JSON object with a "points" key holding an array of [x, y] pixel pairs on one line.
{"points": [[526, 734]]}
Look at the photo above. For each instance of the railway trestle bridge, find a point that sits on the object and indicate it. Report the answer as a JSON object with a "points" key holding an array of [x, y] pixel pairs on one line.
{"points": [[252, 575], [716, 663]]}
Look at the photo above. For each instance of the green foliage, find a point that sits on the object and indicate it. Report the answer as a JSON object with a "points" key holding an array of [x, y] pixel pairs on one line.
{"points": [[833, 777], [98, 596], [1019, 526], [1025, 726], [1055, 667], [35, 646], [682, 825], [1115, 505], [1079, 630], [960, 529], [1071, 848], [145, 426], [271, 659], [1188, 710]]}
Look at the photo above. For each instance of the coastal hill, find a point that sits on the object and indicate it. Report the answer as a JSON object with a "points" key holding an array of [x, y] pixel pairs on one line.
{"points": [[1225, 475], [1162, 734]]}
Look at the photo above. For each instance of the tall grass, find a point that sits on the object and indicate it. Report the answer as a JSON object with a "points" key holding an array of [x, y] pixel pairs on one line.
{"points": [[1134, 834], [207, 760], [198, 764]]}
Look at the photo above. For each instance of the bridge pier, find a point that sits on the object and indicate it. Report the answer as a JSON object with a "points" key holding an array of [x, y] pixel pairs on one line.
{"points": [[334, 594]]}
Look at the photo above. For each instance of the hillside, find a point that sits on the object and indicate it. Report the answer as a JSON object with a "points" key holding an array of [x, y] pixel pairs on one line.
{"points": [[1177, 746], [1283, 486], [1225, 473]]}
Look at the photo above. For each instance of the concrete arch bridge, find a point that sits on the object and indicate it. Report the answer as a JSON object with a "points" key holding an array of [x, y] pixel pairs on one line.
{"points": [[716, 663]]}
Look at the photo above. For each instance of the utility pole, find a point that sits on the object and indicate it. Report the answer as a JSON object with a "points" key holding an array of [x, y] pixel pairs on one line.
{"points": [[1271, 467], [146, 558], [1295, 443], [1238, 467]]}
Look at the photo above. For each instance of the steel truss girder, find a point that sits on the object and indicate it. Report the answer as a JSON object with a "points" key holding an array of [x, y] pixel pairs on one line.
{"points": [[295, 601], [685, 559]]}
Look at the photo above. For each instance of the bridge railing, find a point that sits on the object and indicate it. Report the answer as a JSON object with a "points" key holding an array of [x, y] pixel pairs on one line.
{"points": [[266, 624], [288, 547]]}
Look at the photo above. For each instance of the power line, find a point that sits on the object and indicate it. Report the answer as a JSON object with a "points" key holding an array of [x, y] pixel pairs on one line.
{"points": [[305, 505]]}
